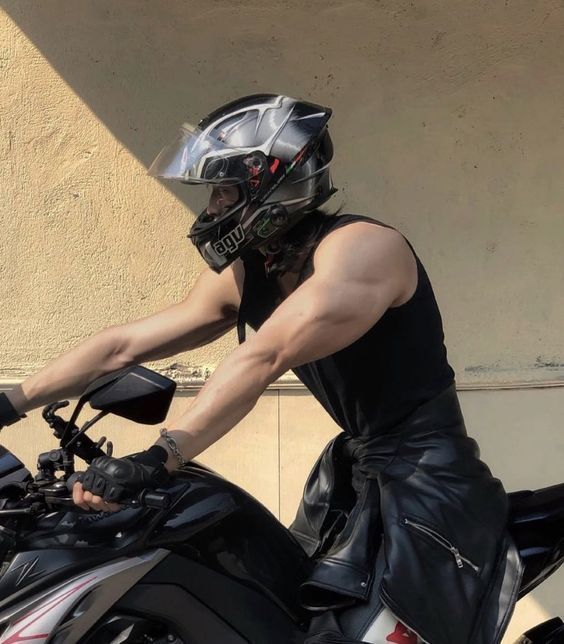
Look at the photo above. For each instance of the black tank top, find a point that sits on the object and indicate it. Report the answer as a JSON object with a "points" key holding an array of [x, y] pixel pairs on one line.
{"points": [[382, 377]]}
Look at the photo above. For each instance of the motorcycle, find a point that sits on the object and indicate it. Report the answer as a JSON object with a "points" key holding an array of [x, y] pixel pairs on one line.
{"points": [[196, 561]]}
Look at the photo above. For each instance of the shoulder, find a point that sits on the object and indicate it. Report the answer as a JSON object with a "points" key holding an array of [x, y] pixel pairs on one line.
{"points": [[362, 244], [368, 252]]}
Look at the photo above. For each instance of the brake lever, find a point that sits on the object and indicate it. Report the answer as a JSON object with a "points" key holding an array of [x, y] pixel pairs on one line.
{"points": [[49, 410], [56, 423]]}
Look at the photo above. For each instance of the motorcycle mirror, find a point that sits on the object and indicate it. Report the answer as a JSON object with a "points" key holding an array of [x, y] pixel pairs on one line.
{"points": [[135, 393]]}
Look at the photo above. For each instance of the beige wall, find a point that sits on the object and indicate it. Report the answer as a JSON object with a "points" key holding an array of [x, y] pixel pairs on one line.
{"points": [[448, 124]]}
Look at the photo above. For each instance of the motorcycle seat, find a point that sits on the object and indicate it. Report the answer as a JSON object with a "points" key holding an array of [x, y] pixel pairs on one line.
{"points": [[536, 523]]}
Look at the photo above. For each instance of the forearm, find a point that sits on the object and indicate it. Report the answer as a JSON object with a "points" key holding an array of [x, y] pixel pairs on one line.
{"points": [[68, 375], [228, 396]]}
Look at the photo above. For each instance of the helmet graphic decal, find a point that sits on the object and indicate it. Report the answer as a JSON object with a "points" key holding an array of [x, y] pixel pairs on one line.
{"points": [[230, 242]]}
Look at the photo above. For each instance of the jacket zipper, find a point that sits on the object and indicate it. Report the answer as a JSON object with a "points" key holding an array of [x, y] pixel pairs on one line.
{"points": [[438, 538]]}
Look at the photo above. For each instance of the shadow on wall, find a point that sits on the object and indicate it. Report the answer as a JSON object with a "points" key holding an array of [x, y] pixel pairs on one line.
{"points": [[145, 67]]}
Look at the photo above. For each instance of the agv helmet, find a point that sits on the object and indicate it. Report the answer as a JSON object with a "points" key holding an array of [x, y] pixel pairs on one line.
{"points": [[275, 149]]}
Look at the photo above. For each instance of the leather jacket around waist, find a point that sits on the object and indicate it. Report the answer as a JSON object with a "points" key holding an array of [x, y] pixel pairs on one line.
{"points": [[452, 572]]}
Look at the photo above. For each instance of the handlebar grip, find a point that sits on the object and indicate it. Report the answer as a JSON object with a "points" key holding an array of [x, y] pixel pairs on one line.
{"points": [[156, 500], [145, 498]]}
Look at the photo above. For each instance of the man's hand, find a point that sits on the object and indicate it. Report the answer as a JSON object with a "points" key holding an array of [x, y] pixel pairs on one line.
{"points": [[110, 480]]}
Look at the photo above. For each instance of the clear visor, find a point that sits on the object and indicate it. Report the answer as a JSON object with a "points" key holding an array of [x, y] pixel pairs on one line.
{"points": [[196, 157], [218, 199]]}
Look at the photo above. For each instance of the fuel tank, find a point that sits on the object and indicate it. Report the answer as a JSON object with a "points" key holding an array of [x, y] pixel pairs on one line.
{"points": [[223, 528]]}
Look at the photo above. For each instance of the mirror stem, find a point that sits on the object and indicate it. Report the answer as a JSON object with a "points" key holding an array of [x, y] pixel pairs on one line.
{"points": [[85, 427]]}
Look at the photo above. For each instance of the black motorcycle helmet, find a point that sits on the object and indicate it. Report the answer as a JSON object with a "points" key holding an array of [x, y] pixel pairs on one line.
{"points": [[275, 149]]}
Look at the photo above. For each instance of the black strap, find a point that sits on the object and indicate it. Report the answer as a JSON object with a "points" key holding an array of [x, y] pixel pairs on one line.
{"points": [[8, 413]]}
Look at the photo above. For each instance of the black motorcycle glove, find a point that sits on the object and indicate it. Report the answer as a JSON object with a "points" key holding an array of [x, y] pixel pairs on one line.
{"points": [[116, 479], [8, 413]]}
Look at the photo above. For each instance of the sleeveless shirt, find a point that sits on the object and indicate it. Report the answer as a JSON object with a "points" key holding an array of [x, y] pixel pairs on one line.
{"points": [[377, 381]]}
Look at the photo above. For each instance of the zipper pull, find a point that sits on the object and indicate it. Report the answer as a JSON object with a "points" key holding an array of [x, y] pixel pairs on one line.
{"points": [[457, 557]]}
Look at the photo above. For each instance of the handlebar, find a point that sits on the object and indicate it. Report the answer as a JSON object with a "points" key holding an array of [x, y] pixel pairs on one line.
{"points": [[146, 498], [153, 499]]}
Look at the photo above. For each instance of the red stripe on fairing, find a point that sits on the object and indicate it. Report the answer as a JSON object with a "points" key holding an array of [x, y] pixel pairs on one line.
{"points": [[27, 638], [274, 166], [18, 637]]}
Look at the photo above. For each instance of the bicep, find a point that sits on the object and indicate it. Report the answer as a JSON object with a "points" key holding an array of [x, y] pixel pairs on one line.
{"points": [[209, 311], [320, 319], [358, 275]]}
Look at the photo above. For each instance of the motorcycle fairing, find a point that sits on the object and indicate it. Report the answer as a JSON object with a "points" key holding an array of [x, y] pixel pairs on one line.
{"points": [[206, 596], [44, 618], [189, 619], [31, 570]]}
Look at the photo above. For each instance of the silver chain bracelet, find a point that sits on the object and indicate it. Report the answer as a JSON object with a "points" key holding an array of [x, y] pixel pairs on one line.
{"points": [[173, 447]]}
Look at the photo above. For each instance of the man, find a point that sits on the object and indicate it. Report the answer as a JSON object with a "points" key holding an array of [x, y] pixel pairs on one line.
{"points": [[399, 513]]}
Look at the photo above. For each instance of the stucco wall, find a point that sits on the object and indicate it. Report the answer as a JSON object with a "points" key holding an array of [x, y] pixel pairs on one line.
{"points": [[448, 123]]}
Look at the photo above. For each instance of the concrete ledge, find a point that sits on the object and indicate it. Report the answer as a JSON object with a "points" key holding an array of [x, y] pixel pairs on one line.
{"points": [[194, 379]]}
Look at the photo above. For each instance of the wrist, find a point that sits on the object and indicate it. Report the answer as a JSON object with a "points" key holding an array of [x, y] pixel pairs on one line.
{"points": [[155, 456], [173, 449], [8, 413]]}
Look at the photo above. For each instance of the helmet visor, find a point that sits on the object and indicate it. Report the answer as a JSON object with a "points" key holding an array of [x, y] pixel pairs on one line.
{"points": [[196, 157]]}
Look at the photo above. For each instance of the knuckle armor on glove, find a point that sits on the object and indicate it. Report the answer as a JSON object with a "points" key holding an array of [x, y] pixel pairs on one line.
{"points": [[115, 479]]}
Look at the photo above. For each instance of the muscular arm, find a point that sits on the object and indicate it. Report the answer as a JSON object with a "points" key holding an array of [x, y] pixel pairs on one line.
{"points": [[209, 310], [359, 272]]}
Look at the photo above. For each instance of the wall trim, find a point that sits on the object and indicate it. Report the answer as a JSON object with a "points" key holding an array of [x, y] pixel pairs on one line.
{"points": [[196, 378]]}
